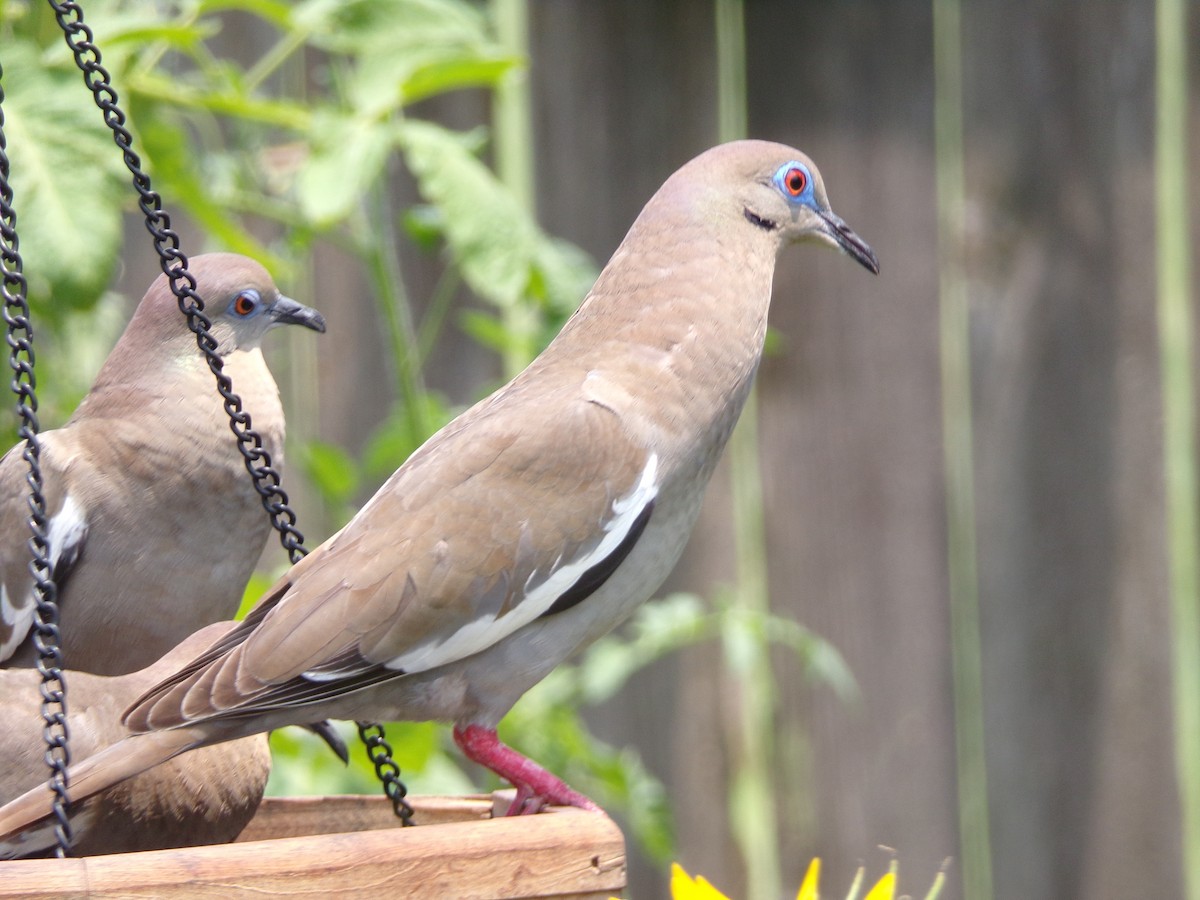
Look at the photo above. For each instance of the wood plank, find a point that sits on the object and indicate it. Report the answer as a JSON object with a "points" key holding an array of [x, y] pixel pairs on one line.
{"points": [[280, 817], [562, 854]]}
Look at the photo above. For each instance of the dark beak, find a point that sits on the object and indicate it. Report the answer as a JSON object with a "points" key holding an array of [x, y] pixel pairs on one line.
{"points": [[850, 242], [286, 311]]}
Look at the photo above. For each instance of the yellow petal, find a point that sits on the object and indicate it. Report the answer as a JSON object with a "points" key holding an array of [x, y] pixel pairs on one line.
{"points": [[705, 891], [885, 888], [682, 886], [808, 887]]}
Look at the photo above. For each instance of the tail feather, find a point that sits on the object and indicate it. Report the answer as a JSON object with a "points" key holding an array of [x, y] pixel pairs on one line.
{"points": [[102, 770]]}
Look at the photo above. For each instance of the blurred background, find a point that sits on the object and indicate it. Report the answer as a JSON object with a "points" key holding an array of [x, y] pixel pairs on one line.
{"points": [[943, 594]]}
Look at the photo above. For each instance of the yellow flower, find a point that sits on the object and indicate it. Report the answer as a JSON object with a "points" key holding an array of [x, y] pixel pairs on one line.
{"points": [[885, 888], [683, 887], [808, 887]]}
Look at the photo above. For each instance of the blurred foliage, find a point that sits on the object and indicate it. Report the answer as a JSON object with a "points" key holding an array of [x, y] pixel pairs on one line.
{"points": [[302, 146]]}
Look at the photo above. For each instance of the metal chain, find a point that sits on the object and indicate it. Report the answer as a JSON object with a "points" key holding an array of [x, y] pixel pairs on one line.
{"points": [[183, 284], [46, 637], [379, 751], [266, 478]]}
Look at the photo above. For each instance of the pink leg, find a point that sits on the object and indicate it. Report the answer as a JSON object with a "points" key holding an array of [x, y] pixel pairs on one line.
{"points": [[535, 786]]}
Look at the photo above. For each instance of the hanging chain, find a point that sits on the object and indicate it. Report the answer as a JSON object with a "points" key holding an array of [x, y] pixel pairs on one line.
{"points": [[46, 637], [183, 284], [379, 751], [266, 479]]}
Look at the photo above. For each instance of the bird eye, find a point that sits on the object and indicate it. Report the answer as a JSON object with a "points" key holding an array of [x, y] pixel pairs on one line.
{"points": [[245, 303], [792, 180]]}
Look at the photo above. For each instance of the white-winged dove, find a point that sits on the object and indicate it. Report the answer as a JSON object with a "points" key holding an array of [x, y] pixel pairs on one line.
{"points": [[535, 521], [206, 797], [154, 525]]}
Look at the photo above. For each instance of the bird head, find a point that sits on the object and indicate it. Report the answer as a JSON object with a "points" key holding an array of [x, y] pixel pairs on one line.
{"points": [[243, 303], [777, 190]]}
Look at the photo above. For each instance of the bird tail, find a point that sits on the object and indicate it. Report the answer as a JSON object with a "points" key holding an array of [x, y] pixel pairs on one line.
{"points": [[31, 812]]}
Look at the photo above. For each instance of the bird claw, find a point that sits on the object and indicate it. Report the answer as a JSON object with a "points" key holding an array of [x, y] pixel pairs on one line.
{"points": [[526, 802]]}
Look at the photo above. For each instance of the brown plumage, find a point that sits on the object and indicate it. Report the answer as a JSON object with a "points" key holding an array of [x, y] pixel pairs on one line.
{"points": [[154, 524], [206, 797], [534, 522]]}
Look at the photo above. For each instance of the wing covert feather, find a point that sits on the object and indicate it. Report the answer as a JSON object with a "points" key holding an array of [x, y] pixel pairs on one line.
{"points": [[453, 538]]}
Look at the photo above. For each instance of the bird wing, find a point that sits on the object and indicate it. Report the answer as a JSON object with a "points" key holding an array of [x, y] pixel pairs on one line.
{"points": [[66, 536], [506, 515]]}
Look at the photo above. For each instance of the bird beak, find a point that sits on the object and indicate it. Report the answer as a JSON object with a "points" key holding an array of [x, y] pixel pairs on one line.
{"points": [[286, 311], [843, 235]]}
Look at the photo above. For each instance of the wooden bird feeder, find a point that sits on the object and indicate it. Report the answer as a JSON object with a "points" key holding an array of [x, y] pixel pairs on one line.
{"points": [[354, 847]]}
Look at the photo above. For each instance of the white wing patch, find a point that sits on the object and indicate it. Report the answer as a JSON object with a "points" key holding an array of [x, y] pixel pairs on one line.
{"points": [[65, 533], [486, 631]]}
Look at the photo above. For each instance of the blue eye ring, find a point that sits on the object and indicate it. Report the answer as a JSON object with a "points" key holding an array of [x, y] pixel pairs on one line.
{"points": [[795, 182], [246, 303]]}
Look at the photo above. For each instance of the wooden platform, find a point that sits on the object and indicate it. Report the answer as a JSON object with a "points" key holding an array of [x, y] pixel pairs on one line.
{"points": [[322, 847]]}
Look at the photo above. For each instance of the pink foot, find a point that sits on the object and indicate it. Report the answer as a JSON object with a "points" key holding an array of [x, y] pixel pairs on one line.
{"points": [[536, 788]]}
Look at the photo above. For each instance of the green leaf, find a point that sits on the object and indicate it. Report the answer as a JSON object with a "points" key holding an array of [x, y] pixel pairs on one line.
{"points": [[68, 182], [563, 274], [485, 329], [397, 437], [492, 239], [357, 26], [820, 658], [455, 71], [278, 12], [424, 225], [346, 162], [331, 469], [658, 627]]}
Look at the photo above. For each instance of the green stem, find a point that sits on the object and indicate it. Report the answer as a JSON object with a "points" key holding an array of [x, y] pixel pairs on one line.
{"points": [[280, 53], [731, 70], [958, 448], [156, 51], [285, 114], [1179, 427], [753, 813], [513, 126], [387, 282], [435, 313]]}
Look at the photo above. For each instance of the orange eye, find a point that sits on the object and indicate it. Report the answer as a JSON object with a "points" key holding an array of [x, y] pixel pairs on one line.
{"points": [[245, 303], [795, 181]]}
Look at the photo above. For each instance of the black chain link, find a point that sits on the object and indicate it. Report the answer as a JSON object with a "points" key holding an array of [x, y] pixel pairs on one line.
{"points": [[266, 478], [46, 637], [379, 751], [183, 284]]}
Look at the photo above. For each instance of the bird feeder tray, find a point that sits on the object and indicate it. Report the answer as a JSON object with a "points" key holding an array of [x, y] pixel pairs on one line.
{"points": [[353, 846]]}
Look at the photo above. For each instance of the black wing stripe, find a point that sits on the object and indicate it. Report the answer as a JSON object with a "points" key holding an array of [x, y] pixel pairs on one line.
{"points": [[591, 580]]}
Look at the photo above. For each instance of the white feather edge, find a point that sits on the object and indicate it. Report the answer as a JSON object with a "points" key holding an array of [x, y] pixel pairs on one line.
{"points": [[65, 529], [486, 631]]}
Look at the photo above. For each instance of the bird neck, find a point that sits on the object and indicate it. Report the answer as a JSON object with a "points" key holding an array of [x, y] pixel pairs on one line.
{"points": [[673, 330], [683, 287]]}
